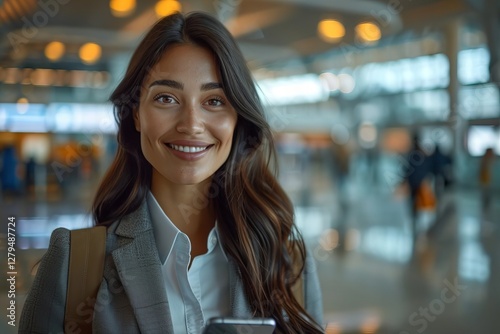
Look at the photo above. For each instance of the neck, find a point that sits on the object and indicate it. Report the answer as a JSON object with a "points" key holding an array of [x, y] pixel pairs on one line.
{"points": [[188, 207]]}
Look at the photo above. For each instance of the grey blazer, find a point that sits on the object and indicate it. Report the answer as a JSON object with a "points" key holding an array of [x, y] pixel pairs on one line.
{"points": [[132, 297]]}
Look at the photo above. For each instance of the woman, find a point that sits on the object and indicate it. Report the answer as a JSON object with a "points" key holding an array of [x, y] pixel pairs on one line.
{"points": [[197, 224]]}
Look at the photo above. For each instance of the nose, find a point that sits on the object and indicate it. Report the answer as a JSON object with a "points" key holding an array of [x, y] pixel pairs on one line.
{"points": [[190, 120]]}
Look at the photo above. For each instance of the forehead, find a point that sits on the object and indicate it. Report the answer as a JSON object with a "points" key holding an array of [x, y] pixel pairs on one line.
{"points": [[187, 62]]}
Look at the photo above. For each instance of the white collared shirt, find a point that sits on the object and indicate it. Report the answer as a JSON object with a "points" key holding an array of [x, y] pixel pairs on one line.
{"points": [[200, 292]]}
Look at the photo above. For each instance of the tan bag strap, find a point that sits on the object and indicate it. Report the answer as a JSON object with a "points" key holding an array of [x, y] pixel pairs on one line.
{"points": [[86, 266], [298, 291], [298, 287]]}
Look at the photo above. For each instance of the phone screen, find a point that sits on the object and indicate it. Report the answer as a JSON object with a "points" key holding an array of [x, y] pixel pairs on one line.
{"points": [[240, 326]]}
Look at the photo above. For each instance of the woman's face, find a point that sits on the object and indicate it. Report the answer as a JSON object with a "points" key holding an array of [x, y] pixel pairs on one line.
{"points": [[185, 121]]}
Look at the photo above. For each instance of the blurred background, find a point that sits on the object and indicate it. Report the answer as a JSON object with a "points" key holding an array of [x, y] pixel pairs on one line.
{"points": [[369, 100]]}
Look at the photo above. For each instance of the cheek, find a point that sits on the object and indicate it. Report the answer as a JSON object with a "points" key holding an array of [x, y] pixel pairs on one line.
{"points": [[227, 134], [150, 125], [225, 128]]}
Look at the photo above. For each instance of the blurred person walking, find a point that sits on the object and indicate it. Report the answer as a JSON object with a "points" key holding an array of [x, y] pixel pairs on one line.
{"points": [[341, 165], [30, 175], [485, 179], [442, 168], [416, 169], [341, 159], [9, 172]]}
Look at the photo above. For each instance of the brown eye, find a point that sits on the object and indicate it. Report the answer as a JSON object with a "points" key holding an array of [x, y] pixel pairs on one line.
{"points": [[215, 102], [164, 99]]}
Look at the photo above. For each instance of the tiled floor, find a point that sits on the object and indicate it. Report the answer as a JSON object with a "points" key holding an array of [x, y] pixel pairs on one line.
{"points": [[373, 279]]}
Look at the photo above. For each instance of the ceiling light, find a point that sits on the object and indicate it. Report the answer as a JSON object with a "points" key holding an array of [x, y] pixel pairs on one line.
{"points": [[90, 53], [368, 32], [54, 51], [331, 31], [122, 8], [167, 7], [330, 80], [22, 100], [346, 83]]}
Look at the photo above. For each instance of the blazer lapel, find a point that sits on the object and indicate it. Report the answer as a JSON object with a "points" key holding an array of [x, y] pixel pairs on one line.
{"points": [[139, 268], [239, 303]]}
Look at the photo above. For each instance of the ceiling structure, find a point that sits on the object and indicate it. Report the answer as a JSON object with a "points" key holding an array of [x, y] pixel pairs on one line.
{"points": [[272, 33]]}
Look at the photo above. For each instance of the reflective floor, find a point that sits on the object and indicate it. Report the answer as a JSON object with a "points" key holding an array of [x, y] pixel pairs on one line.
{"points": [[375, 279]]}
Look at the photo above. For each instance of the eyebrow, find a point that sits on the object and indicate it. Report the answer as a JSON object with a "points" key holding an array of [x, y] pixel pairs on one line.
{"points": [[177, 85], [169, 83], [211, 85]]}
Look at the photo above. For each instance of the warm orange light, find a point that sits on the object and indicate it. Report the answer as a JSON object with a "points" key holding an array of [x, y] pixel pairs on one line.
{"points": [[331, 30], [42, 77], [370, 325], [90, 53], [54, 51], [12, 75], [167, 7], [333, 328], [368, 32], [122, 8]]}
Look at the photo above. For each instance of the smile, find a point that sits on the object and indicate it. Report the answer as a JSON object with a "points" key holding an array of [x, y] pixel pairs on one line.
{"points": [[188, 149]]}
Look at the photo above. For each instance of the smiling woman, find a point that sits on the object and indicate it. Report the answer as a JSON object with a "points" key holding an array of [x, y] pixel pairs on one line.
{"points": [[197, 225]]}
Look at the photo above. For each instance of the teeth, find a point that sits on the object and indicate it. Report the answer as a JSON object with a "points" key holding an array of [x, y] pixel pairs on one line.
{"points": [[188, 149]]}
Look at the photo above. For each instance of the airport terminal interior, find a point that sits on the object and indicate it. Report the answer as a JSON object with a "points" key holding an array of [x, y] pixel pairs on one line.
{"points": [[350, 89]]}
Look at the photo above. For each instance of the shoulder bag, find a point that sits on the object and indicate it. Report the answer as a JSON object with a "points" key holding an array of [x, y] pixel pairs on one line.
{"points": [[86, 266]]}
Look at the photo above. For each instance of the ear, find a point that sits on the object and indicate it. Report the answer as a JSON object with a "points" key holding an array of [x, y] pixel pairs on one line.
{"points": [[137, 121]]}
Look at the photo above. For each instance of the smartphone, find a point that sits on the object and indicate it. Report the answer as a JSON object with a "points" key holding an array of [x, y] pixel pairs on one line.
{"points": [[224, 325]]}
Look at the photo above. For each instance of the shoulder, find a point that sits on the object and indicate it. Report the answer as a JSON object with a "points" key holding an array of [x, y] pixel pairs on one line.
{"points": [[60, 237], [59, 242], [58, 249], [313, 295], [43, 310], [133, 223]]}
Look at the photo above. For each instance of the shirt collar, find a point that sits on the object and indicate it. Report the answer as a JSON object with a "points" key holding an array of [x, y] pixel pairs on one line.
{"points": [[166, 232], [214, 241]]}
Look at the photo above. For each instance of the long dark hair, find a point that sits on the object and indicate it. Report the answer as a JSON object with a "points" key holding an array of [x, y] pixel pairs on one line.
{"points": [[254, 215]]}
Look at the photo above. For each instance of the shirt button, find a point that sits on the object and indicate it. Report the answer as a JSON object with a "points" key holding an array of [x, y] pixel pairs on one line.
{"points": [[213, 240]]}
